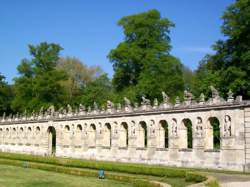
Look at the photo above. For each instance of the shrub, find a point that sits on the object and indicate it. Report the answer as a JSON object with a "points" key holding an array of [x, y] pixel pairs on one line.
{"points": [[195, 177]]}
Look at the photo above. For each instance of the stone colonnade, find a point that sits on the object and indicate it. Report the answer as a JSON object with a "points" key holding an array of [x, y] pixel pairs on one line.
{"points": [[181, 137]]}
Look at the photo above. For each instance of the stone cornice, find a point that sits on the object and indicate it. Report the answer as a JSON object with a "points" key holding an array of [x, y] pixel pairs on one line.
{"points": [[139, 112]]}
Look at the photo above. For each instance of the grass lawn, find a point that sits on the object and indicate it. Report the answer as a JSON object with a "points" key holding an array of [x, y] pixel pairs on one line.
{"points": [[11, 176]]}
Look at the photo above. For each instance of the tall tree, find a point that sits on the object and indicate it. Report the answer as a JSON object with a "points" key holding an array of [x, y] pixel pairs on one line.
{"points": [[5, 96], [39, 83], [79, 76], [140, 60], [230, 66]]}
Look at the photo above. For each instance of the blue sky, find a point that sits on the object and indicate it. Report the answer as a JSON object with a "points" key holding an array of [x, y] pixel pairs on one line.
{"points": [[87, 29]]}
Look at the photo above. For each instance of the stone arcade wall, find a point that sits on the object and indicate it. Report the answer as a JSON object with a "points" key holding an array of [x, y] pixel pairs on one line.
{"points": [[138, 134]]}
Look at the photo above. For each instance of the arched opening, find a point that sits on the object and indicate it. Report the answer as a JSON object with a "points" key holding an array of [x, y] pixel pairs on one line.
{"points": [[107, 141], [67, 128], [215, 133], [92, 136], [79, 128], [123, 135], [186, 134], [142, 135], [163, 134], [51, 140]]}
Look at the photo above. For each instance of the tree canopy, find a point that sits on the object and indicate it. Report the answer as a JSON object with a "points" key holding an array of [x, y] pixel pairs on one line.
{"points": [[229, 67], [142, 61]]}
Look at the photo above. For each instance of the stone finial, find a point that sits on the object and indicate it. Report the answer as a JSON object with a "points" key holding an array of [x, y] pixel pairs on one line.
{"points": [[95, 106], [41, 111], [156, 103], [81, 108], [102, 109], [230, 97], [4, 116], [119, 107], [177, 101], [202, 99], [136, 106]]}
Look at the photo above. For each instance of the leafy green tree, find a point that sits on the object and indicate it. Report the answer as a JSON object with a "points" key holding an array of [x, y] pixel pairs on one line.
{"points": [[142, 63], [39, 83], [79, 76], [5, 96], [229, 67], [99, 91]]}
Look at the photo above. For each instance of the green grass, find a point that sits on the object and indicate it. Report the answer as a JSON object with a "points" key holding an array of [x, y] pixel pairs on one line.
{"points": [[12, 176], [127, 172]]}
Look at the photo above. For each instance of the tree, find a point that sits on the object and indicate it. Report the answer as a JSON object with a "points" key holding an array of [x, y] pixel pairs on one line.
{"points": [[79, 76], [142, 63], [146, 40], [39, 83], [99, 91], [5, 96], [229, 67]]}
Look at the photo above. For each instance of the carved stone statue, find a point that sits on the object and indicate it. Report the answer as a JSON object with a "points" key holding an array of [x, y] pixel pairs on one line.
{"points": [[95, 106], [165, 97], [145, 101], [156, 103], [215, 92], [69, 109], [110, 105], [51, 110], [199, 128], [119, 107], [177, 101], [188, 96], [227, 127], [230, 97], [202, 99], [127, 102], [82, 108], [174, 129]]}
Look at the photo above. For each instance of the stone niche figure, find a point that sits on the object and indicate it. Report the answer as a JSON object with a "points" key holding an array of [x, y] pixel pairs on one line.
{"points": [[199, 128], [227, 127], [174, 129], [152, 129]]}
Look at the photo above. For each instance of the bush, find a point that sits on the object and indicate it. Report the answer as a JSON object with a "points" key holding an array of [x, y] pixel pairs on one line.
{"points": [[195, 177]]}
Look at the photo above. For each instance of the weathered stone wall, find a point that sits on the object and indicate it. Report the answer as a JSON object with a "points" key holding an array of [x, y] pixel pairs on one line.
{"points": [[139, 136]]}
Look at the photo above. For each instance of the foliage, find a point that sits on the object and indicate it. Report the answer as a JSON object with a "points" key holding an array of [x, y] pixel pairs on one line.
{"points": [[99, 91], [39, 83], [142, 62], [79, 76], [195, 177], [5, 96], [229, 67]]}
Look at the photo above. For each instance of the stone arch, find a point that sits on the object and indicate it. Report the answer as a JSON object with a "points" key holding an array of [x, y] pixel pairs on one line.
{"points": [[186, 134], [123, 135], [107, 137], [67, 128], [92, 135], [142, 135], [162, 135], [79, 127], [38, 130], [51, 132], [213, 134]]}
